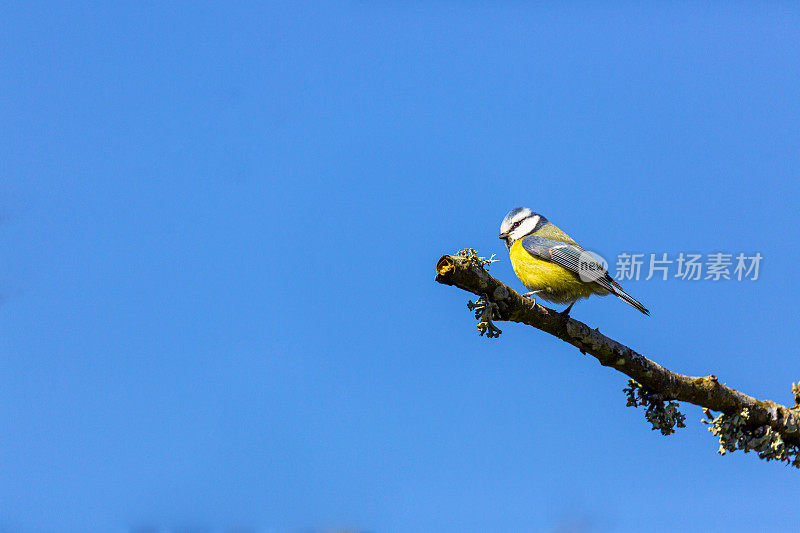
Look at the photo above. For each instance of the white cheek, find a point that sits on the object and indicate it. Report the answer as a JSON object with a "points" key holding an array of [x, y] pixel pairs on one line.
{"points": [[526, 227]]}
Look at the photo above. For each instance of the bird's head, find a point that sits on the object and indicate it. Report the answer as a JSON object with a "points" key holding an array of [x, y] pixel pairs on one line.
{"points": [[518, 223]]}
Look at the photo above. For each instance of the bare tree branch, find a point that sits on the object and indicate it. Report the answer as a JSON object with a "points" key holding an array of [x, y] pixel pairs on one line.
{"points": [[770, 429]]}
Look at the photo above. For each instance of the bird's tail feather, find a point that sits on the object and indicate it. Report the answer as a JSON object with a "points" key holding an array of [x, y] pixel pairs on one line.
{"points": [[627, 298]]}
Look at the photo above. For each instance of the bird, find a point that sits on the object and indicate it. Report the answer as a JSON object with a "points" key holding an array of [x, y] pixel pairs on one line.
{"points": [[552, 265]]}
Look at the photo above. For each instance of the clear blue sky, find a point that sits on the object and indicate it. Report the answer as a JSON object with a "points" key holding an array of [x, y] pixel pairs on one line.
{"points": [[218, 238]]}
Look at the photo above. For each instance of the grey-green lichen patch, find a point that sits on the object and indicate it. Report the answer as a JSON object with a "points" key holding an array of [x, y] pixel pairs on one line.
{"points": [[484, 310], [472, 256], [734, 433], [662, 417]]}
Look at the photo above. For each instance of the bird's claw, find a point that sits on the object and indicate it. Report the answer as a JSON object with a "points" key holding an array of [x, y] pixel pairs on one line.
{"points": [[529, 296]]}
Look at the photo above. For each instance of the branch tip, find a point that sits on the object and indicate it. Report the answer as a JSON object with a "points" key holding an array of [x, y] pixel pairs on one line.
{"points": [[444, 267]]}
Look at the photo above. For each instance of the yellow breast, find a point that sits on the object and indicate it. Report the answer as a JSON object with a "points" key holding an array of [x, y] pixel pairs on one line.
{"points": [[557, 284]]}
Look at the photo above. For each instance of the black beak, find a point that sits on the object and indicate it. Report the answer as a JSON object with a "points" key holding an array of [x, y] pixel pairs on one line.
{"points": [[502, 236]]}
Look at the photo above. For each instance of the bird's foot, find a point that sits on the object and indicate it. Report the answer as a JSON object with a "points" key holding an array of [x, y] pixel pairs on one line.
{"points": [[529, 296]]}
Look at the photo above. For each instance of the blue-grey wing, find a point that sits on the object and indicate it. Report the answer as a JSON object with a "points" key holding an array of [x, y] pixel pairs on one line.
{"points": [[577, 260], [570, 256]]}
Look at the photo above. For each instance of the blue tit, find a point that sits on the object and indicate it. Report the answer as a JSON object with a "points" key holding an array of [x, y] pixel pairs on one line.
{"points": [[552, 265]]}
